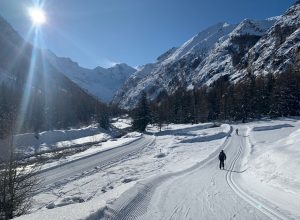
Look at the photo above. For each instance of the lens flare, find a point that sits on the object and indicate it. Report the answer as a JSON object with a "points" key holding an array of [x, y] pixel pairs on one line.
{"points": [[37, 15]]}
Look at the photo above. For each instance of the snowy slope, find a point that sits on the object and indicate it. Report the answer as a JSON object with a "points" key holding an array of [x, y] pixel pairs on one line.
{"points": [[172, 68], [201, 43], [100, 82], [227, 54], [278, 50]]}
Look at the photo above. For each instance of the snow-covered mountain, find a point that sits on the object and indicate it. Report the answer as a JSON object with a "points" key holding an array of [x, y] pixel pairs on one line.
{"points": [[172, 68], [100, 82], [264, 46], [278, 50], [227, 54]]}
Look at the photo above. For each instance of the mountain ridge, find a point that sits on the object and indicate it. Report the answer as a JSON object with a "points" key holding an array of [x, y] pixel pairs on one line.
{"points": [[100, 82], [233, 53]]}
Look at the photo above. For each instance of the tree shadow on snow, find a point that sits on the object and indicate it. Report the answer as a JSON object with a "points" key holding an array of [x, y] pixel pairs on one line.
{"points": [[183, 131]]}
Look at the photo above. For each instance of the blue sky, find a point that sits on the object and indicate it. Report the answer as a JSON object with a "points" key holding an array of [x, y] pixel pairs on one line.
{"points": [[103, 32]]}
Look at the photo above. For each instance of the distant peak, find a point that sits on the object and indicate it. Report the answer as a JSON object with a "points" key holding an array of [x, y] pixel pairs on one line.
{"points": [[274, 18], [116, 66], [99, 68], [121, 65], [226, 24]]}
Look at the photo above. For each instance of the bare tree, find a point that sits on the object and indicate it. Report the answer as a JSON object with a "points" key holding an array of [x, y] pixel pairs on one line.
{"points": [[18, 182]]}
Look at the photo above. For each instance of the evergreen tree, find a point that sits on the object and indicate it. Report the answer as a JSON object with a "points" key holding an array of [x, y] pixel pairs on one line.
{"points": [[201, 105], [104, 120], [141, 115]]}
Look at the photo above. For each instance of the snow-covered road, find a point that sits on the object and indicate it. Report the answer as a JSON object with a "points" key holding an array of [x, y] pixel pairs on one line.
{"points": [[74, 169], [201, 192]]}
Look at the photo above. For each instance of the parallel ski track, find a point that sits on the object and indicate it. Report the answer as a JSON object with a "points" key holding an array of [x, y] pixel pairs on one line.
{"points": [[137, 206], [273, 214]]}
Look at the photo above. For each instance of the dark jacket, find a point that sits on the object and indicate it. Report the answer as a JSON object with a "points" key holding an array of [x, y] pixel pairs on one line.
{"points": [[222, 156]]}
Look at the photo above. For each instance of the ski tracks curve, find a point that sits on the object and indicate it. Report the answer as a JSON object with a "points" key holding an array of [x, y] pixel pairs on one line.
{"points": [[264, 208], [134, 203]]}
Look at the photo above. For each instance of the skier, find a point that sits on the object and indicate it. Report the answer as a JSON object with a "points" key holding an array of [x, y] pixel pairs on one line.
{"points": [[237, 131], [222, 158]]}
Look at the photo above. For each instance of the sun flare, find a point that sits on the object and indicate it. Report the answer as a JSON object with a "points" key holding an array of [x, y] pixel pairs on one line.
{"points": [[37, 15]]}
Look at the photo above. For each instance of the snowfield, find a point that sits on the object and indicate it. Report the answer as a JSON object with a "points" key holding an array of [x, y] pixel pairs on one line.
{"points": [[174, 174]]}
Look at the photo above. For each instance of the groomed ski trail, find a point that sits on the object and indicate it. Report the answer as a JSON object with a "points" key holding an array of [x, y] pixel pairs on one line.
{"points": [[273, 214], [201, 192]]}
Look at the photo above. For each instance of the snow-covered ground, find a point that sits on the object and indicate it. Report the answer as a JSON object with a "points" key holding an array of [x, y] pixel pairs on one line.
{"points": [[176, 148], [176, 176], [96, 148], [31, 143], [272, 162], [122, 122]]}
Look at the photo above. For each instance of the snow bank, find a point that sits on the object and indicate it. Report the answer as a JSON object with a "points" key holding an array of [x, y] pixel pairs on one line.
{"points": [[48, 140], [206, 138], [93, 209], [271, 127], [95, 149], [276, 164], [121, 123], [271, 163]]}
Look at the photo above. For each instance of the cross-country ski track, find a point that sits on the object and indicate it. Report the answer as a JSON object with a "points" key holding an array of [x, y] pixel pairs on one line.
{"points": [[201, 192], [75, 169]]}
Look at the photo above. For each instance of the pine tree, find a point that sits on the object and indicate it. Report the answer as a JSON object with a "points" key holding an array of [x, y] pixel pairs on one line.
{"points": [[104, 120], [142, 114]]}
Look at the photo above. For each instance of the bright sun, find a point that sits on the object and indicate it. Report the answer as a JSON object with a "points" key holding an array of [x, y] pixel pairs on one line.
{"points": [[37, 15]]}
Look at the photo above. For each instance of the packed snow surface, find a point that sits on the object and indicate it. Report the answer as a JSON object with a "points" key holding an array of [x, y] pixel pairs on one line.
{"points": [[174, 174]]}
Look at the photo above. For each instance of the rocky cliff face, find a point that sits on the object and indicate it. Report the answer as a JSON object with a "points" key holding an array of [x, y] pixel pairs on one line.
{"points": [[227, 54], [278, 50]]}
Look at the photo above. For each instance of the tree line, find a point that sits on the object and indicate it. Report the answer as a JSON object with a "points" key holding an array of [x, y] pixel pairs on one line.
{"points": [[47, 110], [253, 97]]}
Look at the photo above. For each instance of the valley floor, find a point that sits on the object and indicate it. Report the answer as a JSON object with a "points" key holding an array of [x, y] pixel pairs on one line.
{"points": [[174, 174]]}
